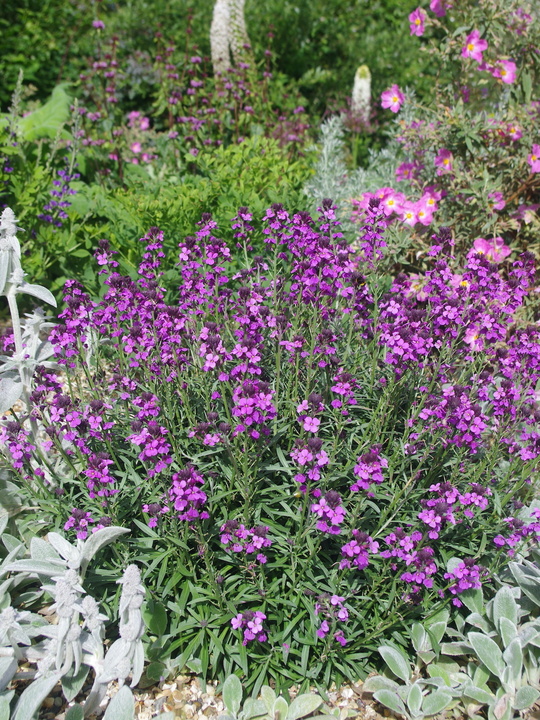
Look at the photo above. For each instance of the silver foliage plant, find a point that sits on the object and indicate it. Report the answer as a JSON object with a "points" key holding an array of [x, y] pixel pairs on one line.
{"points": [[16, 372], [332, 179], [67, 650], [490, 663]]}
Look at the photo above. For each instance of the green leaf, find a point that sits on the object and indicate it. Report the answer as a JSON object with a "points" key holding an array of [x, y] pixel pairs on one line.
{"points": [[488, 652], [155, 618], [122, 706], [436, 702], [303, 705], [155, 671], [280, 709], [47, 120], [395, 661], [232, 694], [72, 684], [391, 700], [75, 712], [269, 698], [525, 697]]}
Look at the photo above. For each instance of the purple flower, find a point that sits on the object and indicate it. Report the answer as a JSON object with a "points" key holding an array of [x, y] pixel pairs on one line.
{"points": [[252, 625]]}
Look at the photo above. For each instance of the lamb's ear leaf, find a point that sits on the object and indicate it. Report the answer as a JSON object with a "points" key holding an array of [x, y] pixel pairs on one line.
{"points": [[98, 540], [10, 392], [122, 706], [38, 291], [31, 698]]}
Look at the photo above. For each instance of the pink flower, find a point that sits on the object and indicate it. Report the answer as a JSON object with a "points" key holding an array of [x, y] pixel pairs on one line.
{"points": [[311, 424], [392, 99], [409, 213], [136, 147], [443, 162], [505, 70], [473, 338], [438, 7], [423, 213], [474, 46], [497, 201], [392, 202], [534, 159], [98, 24], [417, 19], [514, 132], [494, 249]]}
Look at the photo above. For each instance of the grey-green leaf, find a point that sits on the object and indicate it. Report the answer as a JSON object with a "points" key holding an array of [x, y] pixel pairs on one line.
{"points": [[414, 699], [420, 639], [38, 291], [31, 699], [391, 700], [97, 541], [488, 652], [513, 656], [10, 392], [508, 630], [8, 668], [122, 706], [378, 682], [75, 712], [525, 697], [476, 693], [281, 708], [303, 705], [504, 605], [269, 697], [232, 694], [395, 661], [435, 703]]}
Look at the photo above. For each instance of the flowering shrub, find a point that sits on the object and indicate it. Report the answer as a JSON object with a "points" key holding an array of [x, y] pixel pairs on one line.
{"points": [[359, 433], [468, 159]]}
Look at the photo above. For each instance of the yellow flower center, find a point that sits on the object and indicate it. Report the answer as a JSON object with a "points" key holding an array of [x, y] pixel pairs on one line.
{"points": [[470, 47], [446, 161], [534, 158]]}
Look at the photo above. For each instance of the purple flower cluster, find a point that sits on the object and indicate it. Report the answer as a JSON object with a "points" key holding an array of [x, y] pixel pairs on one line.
{"points": [[251, 622], [80, 522], [356, 552], [55, 209], [368, 469], [332, 610], [330, 511], [186, 495], [238, 539], [465, 576]]}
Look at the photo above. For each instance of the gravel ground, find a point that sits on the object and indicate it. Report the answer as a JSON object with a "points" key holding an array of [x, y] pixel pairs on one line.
{"points": [[184, 696]]}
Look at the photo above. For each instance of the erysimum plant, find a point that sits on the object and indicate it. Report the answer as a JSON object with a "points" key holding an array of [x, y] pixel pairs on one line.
{"points": [[299, 446], [469, 157]]}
